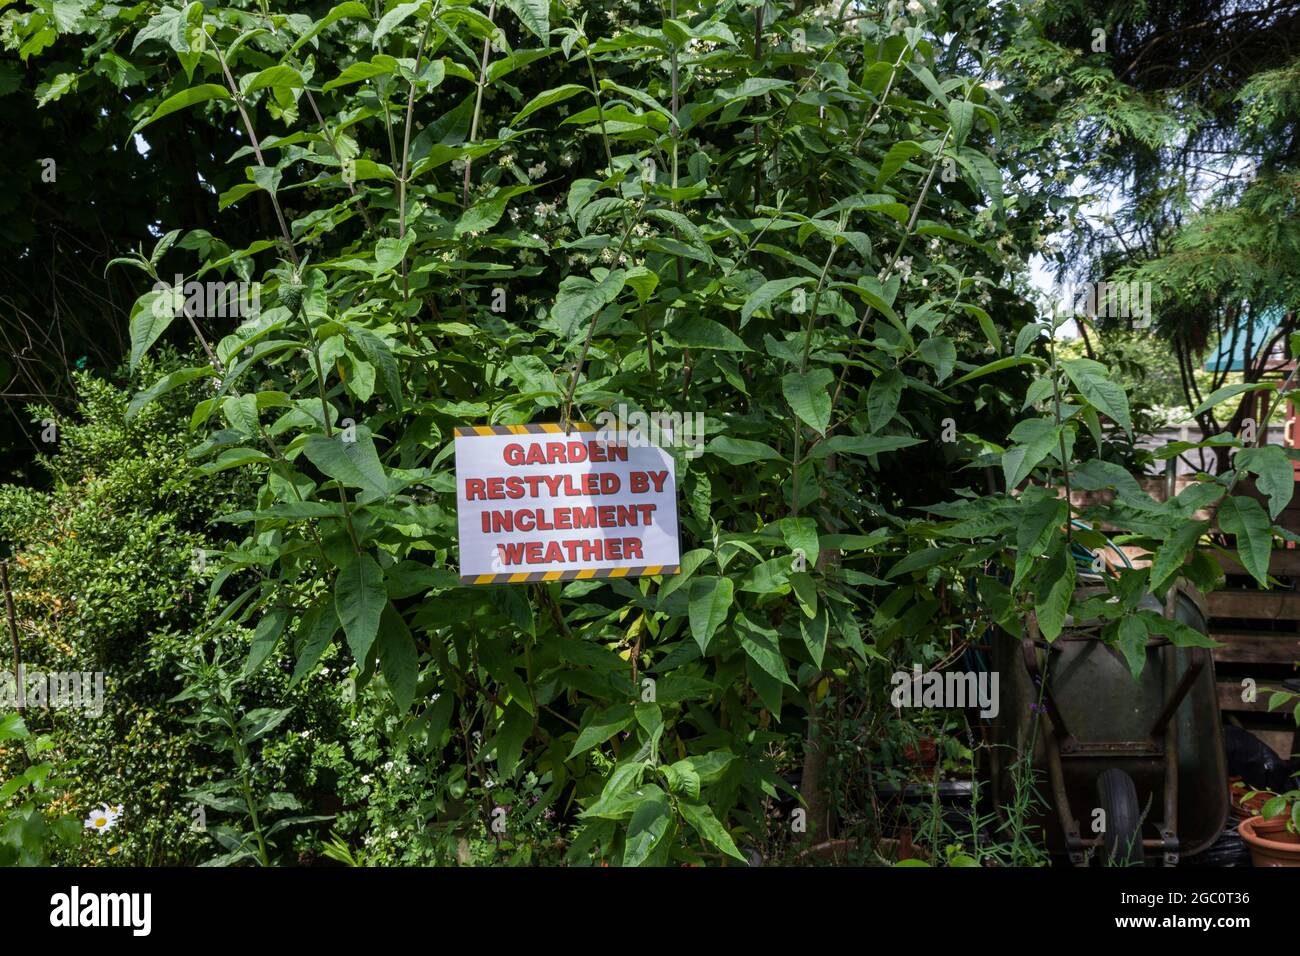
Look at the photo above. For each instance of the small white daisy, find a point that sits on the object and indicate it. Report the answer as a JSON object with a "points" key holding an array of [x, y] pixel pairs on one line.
{"points": [[103, 819]]}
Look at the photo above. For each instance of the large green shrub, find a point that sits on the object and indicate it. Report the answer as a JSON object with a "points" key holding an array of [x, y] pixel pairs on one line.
{"points": [[807, 224], [108, 577]]}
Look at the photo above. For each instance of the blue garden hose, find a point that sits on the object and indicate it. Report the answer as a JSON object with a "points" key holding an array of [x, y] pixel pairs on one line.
{"points": [[1084, 557]]}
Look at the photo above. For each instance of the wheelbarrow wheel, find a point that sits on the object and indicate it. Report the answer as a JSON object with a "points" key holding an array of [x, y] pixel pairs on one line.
{"points": [[1118, 798]]}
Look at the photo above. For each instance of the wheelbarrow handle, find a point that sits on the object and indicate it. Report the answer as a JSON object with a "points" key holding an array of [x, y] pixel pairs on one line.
{"points": [[1199, 655]]}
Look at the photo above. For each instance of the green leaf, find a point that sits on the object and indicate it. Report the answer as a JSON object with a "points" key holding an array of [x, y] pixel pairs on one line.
{"points": [[815, 634], [485, 214], [580, 298], [604, 725], [1035, 527], [768, 293], [986, 325], [643, 282], [805, 590], [711, 766], [961, 116], [12, 727], [355, 463], [359, 600], [233, 458], [860, 445], [152, 313], [516, 728], [256, 724], [394, 18], [684, 226], [549, 98], [1094, 475], [278, 76], [580, 192], [1039, 438], [1276, 474], [1179, 634], [534, 14], [764, 649], [986, 175], [1092, 381], [923, 559], [742, 451], [1245, 518], [616, 798], [651, 718], [927, 79], [1228, 391], [755, 86], [691, 562], [710, 599], [1055, 588], [315, 633], [800, 534], [894, 159], [998, 366], [647, 828], [241, 413], [596, 209], [682, 779], [941, 353], [267, 177], [164, 385], [350, 9], [187, 97], [768, 576], [1169, 559], [381, 64], [381, 357], [697, 332], [55, 88], [882, 398], [809, 396], [879, 297], [1133, 643], [703, 822], [265, 637], [398, 657], [169, 26]]}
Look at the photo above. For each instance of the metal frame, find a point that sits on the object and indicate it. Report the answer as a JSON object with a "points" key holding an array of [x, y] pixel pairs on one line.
{"points": [[1160, 741]]}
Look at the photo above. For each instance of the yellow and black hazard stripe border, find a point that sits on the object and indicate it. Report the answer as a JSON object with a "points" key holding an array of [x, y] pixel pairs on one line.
{"points": [[528, 577], [548, 428], [582, 574]]}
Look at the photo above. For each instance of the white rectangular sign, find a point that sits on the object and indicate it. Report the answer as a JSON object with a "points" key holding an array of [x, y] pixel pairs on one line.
{"points": [[539, 503]]}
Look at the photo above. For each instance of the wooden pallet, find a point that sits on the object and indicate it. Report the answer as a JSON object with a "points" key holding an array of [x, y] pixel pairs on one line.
{"points": [[1260, 636]]}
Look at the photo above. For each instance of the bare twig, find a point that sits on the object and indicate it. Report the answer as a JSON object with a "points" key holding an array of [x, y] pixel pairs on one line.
{"points": [[13, 633]]}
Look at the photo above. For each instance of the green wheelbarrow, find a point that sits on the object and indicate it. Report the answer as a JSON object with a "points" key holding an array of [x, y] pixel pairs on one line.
{"points": [[1127, 767]]}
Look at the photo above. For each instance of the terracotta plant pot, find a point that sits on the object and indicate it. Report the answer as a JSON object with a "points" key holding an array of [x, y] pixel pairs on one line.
{"points": [[925, 753], [1268, 850], [1275, 829], [1241, 809]]}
